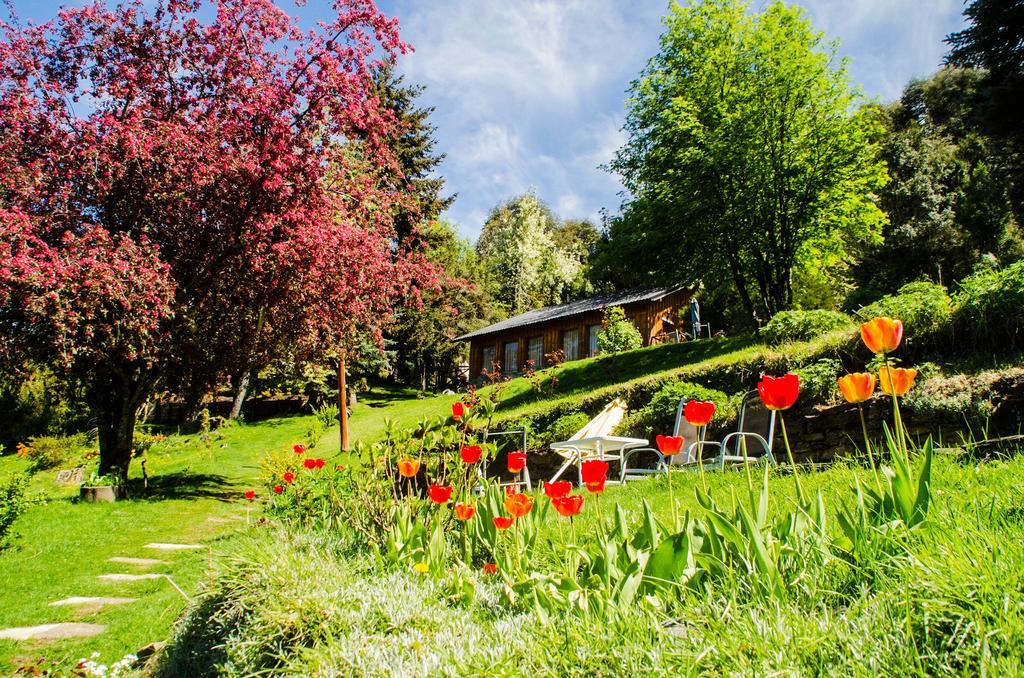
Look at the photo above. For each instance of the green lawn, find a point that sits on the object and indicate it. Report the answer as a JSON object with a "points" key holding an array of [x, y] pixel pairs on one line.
{"points": [[62, 545]]}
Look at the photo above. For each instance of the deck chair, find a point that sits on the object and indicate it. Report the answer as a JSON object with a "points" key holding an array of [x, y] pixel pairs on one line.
{"points": [[750, 442], [601, 425], [754, 434], [680, 428]]}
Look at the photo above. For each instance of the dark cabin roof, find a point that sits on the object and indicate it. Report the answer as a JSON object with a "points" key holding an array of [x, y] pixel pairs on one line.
{"points": [[548, 313]]}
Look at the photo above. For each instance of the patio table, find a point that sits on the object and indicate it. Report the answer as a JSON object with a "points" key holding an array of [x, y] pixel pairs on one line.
{"points": [[606, 448]]}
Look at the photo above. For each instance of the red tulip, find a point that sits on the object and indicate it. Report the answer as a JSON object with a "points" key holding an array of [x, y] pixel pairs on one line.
{"points": [[459, 411], [595, 473], [568, 506], [557, 489], [289, 477], [464, 511], [250, 494], [779, 393], [882, 335], [471, 454], [670, 445], [408, 467], [518, 504], [320, 463], [699, 412], [309, 463], [503, 522], [516, 461], [298, 449], [440, 494], [278, 489], [490, 568]]}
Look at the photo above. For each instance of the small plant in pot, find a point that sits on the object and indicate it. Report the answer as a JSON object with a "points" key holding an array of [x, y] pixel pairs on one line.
{"points": [[101, 488]]}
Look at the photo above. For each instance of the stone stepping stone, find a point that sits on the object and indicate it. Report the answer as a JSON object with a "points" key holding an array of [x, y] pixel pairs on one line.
{"points": [[92, 601], [129, 577], [173, 547], [52, 631], [137, 561]]}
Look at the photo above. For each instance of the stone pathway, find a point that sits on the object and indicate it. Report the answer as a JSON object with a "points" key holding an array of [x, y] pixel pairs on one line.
{"points": [[97, 601], [52, 631], [89, 604], [173, 547], [128, 577], [137, 561]]}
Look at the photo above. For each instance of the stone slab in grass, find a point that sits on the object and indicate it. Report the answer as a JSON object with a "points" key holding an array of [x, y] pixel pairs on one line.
{"points": [[92, 601], [52, 631], [136, 561], [173, 547], [129, 577]]}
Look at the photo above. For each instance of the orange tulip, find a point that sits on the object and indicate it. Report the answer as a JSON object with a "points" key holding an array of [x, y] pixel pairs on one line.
{"points": [[408, 467], [896, 381], [881, 334], [518, 504], [464, 511], [857, 387]]}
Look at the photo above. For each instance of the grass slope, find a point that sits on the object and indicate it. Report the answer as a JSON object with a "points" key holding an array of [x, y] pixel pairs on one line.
{"points": [[62, 545]]}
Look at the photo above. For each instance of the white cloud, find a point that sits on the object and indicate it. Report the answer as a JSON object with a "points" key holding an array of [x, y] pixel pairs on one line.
{"points": [[532, 92]]}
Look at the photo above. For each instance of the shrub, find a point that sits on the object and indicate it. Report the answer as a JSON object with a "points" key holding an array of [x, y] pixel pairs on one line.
{"points": [[990, 304], [565, 426], [818, 380], [802, 325], [47, 452], [12, 504], [617, 332], [658, 416], [925, 308]]}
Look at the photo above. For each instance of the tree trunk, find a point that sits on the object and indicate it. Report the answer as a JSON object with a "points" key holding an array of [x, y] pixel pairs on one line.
{"points": [[116, 407], [342, 403], [241, 389]]}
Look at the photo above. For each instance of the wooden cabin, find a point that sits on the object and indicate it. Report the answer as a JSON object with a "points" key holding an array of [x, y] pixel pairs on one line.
{"points": [[573, 328]]}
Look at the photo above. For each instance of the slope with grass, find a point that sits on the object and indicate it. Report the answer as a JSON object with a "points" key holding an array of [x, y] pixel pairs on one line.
{"points": [[61, 546]]}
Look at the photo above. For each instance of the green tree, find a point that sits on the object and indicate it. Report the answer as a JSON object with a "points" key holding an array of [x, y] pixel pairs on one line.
{"points": [[422, 342], [947, 193], [617, 332], [523, 266], [412, 142], [994, 41], [746, 157]]}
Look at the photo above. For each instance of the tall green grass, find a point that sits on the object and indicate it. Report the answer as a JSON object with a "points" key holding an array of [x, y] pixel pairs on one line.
{"points": [[949, 601]]}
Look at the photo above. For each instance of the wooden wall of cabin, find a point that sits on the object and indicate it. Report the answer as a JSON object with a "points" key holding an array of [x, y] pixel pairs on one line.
{"points": [[649, 318]]}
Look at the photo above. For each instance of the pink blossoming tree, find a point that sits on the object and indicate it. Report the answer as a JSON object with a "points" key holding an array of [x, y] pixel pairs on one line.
{"points": [[183, 198]]}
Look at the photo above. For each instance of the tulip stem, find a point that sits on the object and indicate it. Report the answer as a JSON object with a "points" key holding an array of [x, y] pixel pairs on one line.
{"points": [[700, 457], [746, 467], [672, 500], [792, 462], [867, 445]]}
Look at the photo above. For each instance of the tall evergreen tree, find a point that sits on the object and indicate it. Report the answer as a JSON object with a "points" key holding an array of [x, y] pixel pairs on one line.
{"points": [[413, 145]]}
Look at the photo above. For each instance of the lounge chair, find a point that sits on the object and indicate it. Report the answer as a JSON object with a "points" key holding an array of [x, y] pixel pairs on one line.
{"points": [[755, 424], [594, 441]]}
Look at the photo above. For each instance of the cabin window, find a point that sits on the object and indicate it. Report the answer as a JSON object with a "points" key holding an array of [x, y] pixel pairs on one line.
{"points": [[535, 352], [487, 359], [511, 356], [592, 333], [571, 344]]}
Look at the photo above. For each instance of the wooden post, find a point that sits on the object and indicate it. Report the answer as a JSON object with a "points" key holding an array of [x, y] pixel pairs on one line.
{"points": [[342, 402]]}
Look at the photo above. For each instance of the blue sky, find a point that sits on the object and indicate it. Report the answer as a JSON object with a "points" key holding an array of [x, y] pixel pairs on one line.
{"points": [[530, 93]]}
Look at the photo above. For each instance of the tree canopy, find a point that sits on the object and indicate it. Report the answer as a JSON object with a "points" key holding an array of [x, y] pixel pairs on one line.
{"points": [[185, 191], [746, 158], [523, 265]]}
